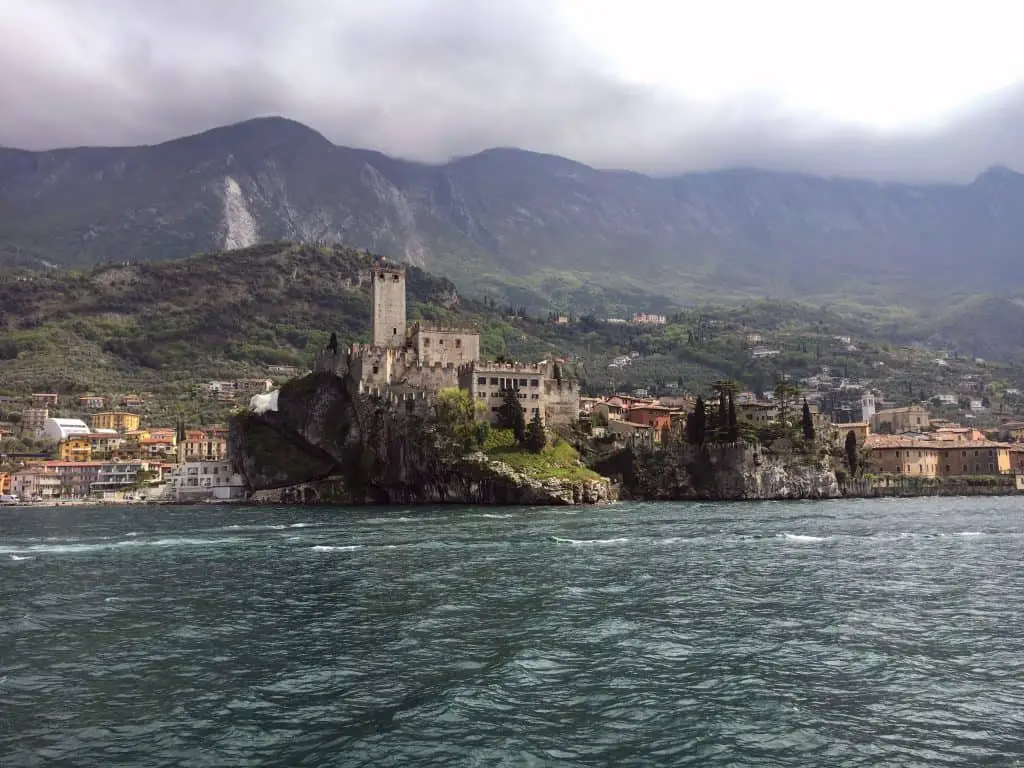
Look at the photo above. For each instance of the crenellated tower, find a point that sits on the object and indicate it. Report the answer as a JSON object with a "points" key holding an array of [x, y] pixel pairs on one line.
{"points": [[388, 283]]}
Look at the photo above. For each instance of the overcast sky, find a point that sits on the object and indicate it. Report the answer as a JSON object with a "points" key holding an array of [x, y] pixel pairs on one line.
{"points": [[896, 90]]}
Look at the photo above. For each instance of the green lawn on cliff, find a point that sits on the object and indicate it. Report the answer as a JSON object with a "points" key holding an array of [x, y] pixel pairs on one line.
{"points": [[557, 460]]}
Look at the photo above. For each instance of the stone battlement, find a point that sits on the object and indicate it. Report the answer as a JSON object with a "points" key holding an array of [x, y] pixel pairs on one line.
{"points": [[541, 369], [430, 327]]}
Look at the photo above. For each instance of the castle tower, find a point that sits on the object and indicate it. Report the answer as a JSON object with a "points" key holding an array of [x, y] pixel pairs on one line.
{"points": [[388, 281]]}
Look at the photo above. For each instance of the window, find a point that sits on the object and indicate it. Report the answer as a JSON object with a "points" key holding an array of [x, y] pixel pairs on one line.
{"points": [[394, 278], [494, 409], [394, 331], [523, 382], [991, 468], [534, 383], [441, 342], [376, 369], [458, 343], [426, 342], [481, 380], [977, 467], [494, 381], [947, 467]]}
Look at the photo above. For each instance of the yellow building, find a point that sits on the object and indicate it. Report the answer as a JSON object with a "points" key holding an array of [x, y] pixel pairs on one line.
{"points": [[5, 483], [895, 421], [938, 458], [75, 449], [122, 421], [859, 428]]}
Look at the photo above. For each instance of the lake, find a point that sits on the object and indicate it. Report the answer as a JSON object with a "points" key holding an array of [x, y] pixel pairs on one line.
{"points": [[838, 633]]}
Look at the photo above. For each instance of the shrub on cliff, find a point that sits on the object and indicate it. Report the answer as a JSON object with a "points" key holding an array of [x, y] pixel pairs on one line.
{"points": [[456, 428]]}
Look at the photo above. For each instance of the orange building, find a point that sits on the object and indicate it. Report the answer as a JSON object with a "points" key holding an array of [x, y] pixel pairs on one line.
{"points": [[657, 416], [5, 483]]}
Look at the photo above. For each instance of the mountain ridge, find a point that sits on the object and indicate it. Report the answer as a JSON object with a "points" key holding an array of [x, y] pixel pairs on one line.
{"points": [[534, 227]]}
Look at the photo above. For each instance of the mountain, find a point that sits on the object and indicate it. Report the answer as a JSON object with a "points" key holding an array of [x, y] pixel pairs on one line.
{"points": [[535, 229]]}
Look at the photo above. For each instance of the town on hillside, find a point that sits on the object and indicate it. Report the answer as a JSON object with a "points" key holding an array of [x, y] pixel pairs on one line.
{"points": [[60, 447]]}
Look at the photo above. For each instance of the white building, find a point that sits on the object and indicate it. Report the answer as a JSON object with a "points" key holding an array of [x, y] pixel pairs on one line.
{"points": [[61, 429], [204, 480]]}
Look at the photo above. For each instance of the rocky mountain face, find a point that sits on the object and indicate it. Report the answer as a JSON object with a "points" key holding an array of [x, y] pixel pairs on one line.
{"points": [[536, 222]]}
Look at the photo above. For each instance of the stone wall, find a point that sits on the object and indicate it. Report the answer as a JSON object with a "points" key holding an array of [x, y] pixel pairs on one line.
{"points": [[455, 346]]}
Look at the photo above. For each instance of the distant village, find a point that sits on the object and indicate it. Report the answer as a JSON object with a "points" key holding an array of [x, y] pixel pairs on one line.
{"points": [[98, 448]]}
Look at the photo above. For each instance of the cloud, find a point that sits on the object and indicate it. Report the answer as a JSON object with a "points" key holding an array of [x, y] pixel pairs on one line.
{"points": [[425, 79]]}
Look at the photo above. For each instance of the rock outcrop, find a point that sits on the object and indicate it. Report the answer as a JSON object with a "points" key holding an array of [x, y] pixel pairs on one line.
{"points": [[729, 472], [327, 444]]}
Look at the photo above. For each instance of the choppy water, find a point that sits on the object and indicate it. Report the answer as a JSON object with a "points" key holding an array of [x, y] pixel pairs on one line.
{"points": [[820, 634]]}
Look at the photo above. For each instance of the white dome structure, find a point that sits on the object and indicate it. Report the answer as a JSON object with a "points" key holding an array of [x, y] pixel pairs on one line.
{"points": [[61, 429]]}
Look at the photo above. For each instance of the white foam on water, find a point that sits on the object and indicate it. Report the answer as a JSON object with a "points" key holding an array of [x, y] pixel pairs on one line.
{"points": [[22, 557], [589, 542], [489, 516], [802, 538], [329, 548], [969, 533], [64, 549]]}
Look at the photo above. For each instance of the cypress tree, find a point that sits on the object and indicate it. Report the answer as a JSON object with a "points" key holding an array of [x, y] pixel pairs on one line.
{"points": [[807, 422], [733, 431], [536, 439], [851, 452]]}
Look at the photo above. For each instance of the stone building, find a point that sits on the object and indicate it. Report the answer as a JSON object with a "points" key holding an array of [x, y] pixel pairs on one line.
{"points": [[539, 386], [896, 421], [403, 362], [399, 357]]}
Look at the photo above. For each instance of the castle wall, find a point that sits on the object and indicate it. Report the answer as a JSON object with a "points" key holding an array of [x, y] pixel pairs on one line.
{"points": [[388, 288], [561, 402], [445, 345]]}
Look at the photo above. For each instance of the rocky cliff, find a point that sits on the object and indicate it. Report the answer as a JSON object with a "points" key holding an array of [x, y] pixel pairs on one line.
{"points": [[730, 472], [328, 444]]}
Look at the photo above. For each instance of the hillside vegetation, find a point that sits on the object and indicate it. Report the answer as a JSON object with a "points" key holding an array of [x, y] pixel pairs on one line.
{"points": [[163, 329]]}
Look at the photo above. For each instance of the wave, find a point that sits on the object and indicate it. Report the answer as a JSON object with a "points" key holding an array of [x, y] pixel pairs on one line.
{"points": [[385, 520], [490, 516], [22, 557], [329, 548], [589, 542], [969, 533], [803, 538], [62, 549]]}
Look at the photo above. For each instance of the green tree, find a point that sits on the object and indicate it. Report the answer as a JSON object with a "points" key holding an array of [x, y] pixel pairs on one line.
{"points": [[510, 414], [785, 393], [696, 423], [851, 452], [807, 422], [733, 430], [536, 438], [453, 413]]}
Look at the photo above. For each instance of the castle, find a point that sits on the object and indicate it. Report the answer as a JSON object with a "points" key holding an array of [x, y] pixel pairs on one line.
{"points": [[402, 361]]}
